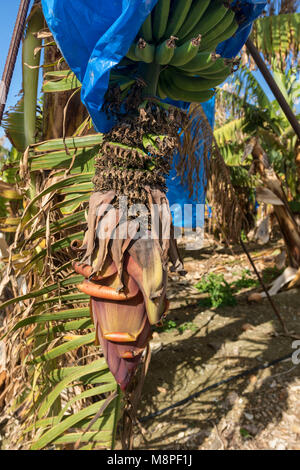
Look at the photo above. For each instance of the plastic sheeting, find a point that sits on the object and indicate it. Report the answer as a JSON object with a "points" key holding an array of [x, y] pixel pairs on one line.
{"points": [[249, 10], [188, 211], [94, 35]]}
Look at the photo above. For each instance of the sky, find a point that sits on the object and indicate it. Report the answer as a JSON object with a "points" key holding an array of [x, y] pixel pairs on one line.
{"points": [[9, 10]]}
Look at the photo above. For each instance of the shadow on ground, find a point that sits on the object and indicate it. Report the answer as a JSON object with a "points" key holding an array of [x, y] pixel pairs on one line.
{"points": [[223, 343]]}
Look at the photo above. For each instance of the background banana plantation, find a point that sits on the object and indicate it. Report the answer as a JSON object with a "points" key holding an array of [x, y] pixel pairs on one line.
{"points": [[54, 379]]}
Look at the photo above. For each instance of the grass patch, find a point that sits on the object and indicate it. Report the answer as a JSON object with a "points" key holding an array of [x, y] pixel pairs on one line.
{"points": [[222, 293], [269, 274], [189, 325], [168, 325], [171, 325], [245, 282]]}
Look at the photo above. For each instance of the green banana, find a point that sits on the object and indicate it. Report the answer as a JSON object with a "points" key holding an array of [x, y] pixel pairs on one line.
{"points": [[121, 80], [216, 67], [196, 12], [228, 33], [213, 15], [126, 83], [162, 85], [178, 94], [186, 52], [131, 53], [222, 75], [146, 29], [160, 18], [219, 28], [144, 51], [177, 16], [202, 61], [165, 51], [195, 84]]}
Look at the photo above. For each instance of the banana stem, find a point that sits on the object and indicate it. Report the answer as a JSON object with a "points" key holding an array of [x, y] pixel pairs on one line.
{"points": [[150, 73]]}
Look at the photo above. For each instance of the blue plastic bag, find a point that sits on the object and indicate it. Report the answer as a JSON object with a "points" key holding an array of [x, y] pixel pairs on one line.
{"points": [[94, 35], [250, 9], [188, 210]]}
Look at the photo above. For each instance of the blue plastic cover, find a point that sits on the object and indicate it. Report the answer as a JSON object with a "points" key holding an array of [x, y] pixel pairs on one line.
{"points": [[94, 35], [250, 10], [188, 210]]}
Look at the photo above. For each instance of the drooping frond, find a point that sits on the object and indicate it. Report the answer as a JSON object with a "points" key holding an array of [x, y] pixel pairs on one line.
{"points": [[278, 36], [13, 124], [228, 132], [64, 400]]}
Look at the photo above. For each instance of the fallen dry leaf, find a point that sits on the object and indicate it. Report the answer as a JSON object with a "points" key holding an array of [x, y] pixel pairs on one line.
{"points": [[3, 375], [255, 297], [295, 427], [253, 379], [295, 281], [161, 389], [247, 326]]}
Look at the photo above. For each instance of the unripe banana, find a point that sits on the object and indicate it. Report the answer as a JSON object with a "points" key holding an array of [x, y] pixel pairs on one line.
{"points": [[196, 12], [186, 52], [165, 51], [160, 18], [131, 53], [216, 67], [195, 84], [202, 61], [144, 51], [178, 94], [218, 29], [146, 29], [213, 15], [228, 33], [126, 83], [177, 16], [221, 76], [162, 86], [122, 81]]}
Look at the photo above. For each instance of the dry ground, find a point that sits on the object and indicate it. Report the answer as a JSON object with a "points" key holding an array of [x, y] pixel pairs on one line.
{"points": [[258, 411]]}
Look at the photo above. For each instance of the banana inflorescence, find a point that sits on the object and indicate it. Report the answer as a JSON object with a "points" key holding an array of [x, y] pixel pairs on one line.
{"points": [[180, 38]]}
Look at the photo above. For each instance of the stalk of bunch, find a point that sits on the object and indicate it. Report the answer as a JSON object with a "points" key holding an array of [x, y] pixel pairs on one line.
{"points": [[126, 258]]}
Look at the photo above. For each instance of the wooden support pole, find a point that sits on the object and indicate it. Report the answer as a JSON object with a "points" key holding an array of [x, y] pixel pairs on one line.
{"points": [[12, 54]]}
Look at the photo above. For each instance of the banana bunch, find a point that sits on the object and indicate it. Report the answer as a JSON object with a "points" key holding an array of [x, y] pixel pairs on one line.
{"points": [[180, 38]]}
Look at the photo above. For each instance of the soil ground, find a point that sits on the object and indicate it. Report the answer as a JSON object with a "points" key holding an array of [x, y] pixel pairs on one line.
{"points": [[257, 411]]}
